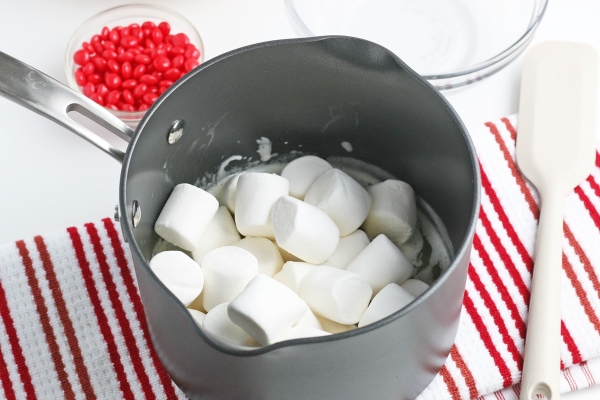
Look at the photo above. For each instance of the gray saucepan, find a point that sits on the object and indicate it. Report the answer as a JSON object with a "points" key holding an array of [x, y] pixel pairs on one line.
{"points": [[311, 94]]}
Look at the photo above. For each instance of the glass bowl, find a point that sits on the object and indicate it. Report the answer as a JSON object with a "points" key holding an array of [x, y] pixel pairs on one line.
{"points": [[450, 43], [124, 16]]}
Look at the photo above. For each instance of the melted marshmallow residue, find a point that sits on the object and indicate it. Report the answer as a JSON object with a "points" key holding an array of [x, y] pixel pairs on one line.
{"points": [[221, 173], [264, 149]]}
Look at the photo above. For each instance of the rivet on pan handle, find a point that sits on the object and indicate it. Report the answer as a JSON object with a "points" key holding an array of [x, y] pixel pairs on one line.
{"points": [[136, 213], [38, 92], [176, 131]]}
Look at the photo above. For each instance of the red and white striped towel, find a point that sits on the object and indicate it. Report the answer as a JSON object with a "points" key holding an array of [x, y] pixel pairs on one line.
{"points": [[487, 355], [72, 322]]}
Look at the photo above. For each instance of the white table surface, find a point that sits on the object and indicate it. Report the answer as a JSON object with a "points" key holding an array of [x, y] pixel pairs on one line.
{"points": [[51, 179]]}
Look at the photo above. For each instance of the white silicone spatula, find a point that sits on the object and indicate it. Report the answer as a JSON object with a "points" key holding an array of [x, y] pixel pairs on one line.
{"points": [[556, 152]]}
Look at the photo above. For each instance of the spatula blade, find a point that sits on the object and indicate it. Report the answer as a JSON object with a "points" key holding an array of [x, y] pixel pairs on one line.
{"points": [[557, 124]]}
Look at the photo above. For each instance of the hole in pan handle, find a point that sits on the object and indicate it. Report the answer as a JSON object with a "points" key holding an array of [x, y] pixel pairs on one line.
{"points": [[44, 95]]}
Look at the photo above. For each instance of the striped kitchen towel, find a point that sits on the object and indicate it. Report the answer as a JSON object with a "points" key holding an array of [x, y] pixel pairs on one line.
{"points": [[72, 322], [487, 355]]}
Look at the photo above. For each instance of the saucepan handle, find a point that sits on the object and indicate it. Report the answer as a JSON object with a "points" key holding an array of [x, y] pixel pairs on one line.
{"points": [[40, 93]]}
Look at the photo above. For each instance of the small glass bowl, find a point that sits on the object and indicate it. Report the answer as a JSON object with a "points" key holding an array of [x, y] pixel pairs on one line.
{"points": [[450, 43], [123, 16]]}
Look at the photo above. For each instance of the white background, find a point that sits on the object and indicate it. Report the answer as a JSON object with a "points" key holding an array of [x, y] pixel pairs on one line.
{"points": [[51, 179]]}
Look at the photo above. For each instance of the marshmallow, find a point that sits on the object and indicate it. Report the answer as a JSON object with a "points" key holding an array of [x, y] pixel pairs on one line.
{"points": [[265, 251], [393, 212], [220, 232], [162, 245], [227, 271], [255, 195], [309, 320], [228, 191], [197, 303], [292, 274], [342, 198], [285, 255], [389, 300], [302, 172], [347, 249], [179, 273], [304, 230], [299, 332], [186, 215], [197, 316], [266, 309], [415, 287], [381, 263], [336, 294], [217, 323], [333, 327]]}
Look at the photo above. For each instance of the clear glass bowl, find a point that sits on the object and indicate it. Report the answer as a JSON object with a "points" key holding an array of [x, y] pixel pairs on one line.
{"points": [[450, 43], [123, 16]]}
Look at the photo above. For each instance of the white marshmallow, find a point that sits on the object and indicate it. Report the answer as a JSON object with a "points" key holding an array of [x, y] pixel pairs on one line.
{"points": [[334, 327], [347, 249], [256, 192], [299, 332], [197, 316], [336, 294], [389, 300], [186, 215], [179, 273], [302, 172], [381, 263], [286, 255], [415, 287], [304, 230], [217, 323], [197, 303], [342, 198], [309, 320], [292, 274], [220, 232], [227, 271], [163, 245], [393, 211], [228, 192], [266, 309], [265, 251]]}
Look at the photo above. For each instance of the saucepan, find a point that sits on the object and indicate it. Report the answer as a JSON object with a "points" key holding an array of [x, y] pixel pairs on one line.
{"points": [[307, 96]]}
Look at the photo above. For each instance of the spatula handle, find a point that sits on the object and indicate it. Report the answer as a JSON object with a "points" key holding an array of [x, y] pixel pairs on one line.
{"points": [[541, 369]]}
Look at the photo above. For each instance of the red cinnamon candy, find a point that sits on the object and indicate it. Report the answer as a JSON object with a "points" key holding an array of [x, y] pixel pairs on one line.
{"points": [[127, 68]]}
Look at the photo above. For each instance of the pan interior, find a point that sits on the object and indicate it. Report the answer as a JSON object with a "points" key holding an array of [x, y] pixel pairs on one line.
{"points": [[314, 96]]}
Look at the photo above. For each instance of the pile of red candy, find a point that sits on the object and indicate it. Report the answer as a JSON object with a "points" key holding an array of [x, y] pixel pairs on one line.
{"points": [[127, 68]]}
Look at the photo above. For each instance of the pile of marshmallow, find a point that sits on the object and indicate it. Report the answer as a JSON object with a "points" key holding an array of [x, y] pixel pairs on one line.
{"points": [[303, 268]]}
